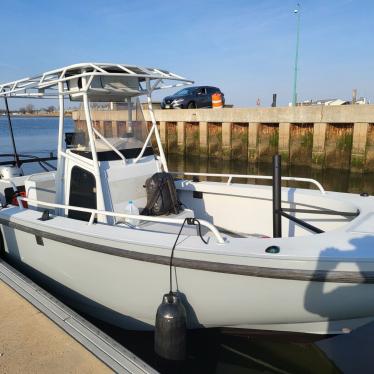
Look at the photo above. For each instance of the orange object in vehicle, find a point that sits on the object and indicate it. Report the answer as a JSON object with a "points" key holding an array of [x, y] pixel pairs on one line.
{"points": [[217, 101], [15, 201]]}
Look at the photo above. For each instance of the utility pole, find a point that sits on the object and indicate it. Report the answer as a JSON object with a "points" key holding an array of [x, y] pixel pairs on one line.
{"points": [[354, 96], [274, 103], [294, 95]]}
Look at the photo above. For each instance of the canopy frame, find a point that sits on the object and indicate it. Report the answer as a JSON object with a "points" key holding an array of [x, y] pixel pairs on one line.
{"points": [[62, 82]]}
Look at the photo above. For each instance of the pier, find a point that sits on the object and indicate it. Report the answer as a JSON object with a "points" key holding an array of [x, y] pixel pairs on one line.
{"points": [[41, 334], [30, 342], [340, 137]]}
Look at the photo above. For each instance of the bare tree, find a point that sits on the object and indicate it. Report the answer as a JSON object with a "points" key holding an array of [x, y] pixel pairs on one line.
{"points": [[29, 108]]}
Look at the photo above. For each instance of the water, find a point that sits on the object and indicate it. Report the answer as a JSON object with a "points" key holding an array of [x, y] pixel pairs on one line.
{"points": [[33, 136], [209, 351], [331, 179], [219, 352], [38, 136]]}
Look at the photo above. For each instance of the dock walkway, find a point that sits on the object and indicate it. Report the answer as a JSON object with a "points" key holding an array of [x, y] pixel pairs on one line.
{"points": [[30, 342], [40, 334]]}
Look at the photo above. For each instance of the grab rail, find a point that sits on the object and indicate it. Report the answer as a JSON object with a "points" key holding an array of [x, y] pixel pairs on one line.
{"points": [[269, 177], [95, 212]]}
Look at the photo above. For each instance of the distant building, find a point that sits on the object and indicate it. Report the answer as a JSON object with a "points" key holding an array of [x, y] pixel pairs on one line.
{"points": [[360, 101]]}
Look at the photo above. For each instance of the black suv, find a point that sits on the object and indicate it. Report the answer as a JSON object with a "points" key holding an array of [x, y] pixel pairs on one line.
{"points": [[191, 97]]}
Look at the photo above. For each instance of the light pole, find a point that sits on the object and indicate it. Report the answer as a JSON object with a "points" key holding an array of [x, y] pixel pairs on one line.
{"points": [[294, 94]]}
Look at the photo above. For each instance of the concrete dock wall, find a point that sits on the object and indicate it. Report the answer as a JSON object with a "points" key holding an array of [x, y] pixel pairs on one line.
{"points": [[339, 137]]}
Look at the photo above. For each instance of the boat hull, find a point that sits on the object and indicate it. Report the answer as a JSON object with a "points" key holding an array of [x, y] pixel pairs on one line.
{"points": [[126, 292]]}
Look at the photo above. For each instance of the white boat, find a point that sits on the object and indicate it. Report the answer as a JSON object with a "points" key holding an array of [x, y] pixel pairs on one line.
{"points": [[316, 278]]}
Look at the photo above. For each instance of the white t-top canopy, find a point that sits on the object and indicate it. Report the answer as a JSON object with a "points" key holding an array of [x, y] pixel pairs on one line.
{"points": [[101, 82]]}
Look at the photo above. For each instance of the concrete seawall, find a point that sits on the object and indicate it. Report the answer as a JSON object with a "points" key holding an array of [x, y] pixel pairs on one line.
{"points": [[322, 136]]}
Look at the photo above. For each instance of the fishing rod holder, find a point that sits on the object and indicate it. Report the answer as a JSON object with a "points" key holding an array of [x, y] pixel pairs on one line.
{"points": [[278, 212], [277, 196]]}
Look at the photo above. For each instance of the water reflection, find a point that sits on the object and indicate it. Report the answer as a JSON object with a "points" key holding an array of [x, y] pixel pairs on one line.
{"points": [[331, 179], [214, 351]]}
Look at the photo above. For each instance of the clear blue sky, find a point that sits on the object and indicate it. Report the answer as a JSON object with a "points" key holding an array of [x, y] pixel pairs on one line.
{"points": [[245, 47]]}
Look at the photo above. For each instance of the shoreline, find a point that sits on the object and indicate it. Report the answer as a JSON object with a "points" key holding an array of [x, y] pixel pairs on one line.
{"points": [[54, 114]]}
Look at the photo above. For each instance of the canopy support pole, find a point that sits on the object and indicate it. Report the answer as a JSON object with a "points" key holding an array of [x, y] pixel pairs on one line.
{"points": [[154, 124], [129, 128], [60, 188]]}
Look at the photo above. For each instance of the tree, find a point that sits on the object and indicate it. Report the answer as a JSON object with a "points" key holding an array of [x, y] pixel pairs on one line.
{"points": [[51, 109], [29, 108]]}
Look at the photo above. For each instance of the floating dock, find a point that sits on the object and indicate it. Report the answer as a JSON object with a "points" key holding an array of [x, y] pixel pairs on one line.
{"points": [[41, 334]]}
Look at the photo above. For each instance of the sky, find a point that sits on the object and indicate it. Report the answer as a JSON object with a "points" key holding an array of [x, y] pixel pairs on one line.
{"points": [[245, 47]]}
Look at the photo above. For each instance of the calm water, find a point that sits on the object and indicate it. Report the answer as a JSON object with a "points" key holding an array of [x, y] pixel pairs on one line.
{"points": [[209, 351], [38, 136], [331, 179], [33, 135]]}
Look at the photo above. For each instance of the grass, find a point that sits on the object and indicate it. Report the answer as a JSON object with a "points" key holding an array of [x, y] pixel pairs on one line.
{"points": [[274, 139], [344, 142]]}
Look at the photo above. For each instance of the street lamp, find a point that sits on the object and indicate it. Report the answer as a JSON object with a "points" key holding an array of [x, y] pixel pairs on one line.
{"points": [[294, 94]]}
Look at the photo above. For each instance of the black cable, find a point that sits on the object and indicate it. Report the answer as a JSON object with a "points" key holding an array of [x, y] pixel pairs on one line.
{"points": [[172, 256], [190, 221], [199, 225]]}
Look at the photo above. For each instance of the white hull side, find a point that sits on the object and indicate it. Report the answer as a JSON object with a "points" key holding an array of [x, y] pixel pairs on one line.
{"points": [[130, 291]]}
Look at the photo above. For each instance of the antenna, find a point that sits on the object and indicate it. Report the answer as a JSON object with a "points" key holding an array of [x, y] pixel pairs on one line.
{"points": [[16, 158]]}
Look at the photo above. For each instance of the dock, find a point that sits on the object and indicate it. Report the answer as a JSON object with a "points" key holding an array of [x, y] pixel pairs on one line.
{"points": [[41, 334], [325, 137]]}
